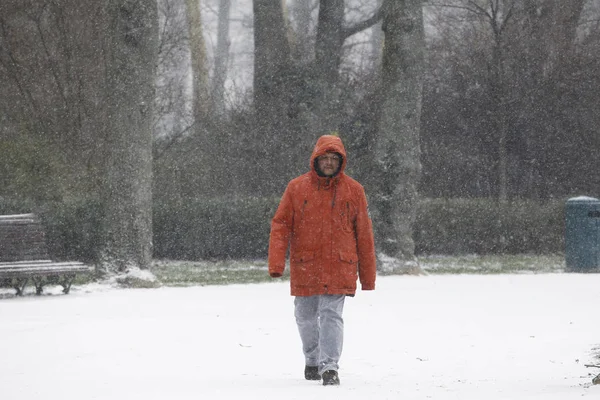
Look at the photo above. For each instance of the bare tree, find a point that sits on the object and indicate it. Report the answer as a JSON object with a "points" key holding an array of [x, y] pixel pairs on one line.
{"points": [[303, 38], [525, 47], [173, 114], [271, 58], [131, 53], [396, 149], [221, 57], [376, 41], [332, 32], [51, 78], [198, 55], [328, 54], [272, 62], [546, 59]]}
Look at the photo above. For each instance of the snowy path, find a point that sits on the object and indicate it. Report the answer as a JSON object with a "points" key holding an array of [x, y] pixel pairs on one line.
{"points": [[433, 337]]}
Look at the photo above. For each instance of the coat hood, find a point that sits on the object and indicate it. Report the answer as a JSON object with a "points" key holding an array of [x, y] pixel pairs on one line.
{"points": [[328, 144]]}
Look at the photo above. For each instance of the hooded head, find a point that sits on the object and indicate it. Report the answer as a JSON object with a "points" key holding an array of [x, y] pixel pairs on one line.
{"points": [[328, 144]]}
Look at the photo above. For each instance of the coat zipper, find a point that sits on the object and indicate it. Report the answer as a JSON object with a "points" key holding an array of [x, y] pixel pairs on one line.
{"points": [[334, 195], [348, 213], [302, 211]]}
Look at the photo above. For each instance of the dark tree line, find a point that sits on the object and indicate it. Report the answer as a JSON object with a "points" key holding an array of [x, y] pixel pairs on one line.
{"points": [[509, 107], [511, 102]]}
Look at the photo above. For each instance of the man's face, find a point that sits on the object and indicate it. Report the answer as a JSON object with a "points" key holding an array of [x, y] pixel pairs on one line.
{"points": [[329, 163]]}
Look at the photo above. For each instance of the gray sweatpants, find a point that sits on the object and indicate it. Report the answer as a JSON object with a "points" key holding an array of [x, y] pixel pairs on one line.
{"points": [[321, 327]]}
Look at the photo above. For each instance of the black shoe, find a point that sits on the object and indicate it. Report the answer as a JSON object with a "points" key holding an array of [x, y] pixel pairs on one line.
{"points": [[312, 373], [331, 378]]}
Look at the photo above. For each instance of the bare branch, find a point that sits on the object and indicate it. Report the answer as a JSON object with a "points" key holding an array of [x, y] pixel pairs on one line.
{"points": [[37, 20], [12, 68], [475, 9], [508, 15], [172, 140], [361, 26]]}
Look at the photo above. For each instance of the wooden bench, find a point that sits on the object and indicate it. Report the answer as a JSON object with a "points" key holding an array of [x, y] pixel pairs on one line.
{"points": [[24, 256]]}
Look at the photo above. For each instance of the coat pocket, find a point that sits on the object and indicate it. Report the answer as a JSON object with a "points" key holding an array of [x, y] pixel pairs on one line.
{"points": [[302, 269], [348, 257], [347, 271], [304, 256]]}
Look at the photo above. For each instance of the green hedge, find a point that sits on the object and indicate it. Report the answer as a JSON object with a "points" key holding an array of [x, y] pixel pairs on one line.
{"points": [[223, 228], [459, 226], [213, 228], [73, 229]]}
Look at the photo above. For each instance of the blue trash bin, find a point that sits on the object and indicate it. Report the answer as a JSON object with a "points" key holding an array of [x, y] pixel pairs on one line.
{"points": [[582, 234]]}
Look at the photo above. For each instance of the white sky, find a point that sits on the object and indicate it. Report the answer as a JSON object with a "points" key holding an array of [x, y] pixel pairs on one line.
{"points": [[467, 337]]}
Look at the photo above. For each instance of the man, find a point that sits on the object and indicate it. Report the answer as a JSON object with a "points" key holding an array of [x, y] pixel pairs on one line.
{"points": [[323, 218]]}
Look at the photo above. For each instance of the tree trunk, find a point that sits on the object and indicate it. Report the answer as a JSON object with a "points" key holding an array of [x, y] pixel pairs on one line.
{"points": [[551, 43], [271, 96], [221, 57], [131, 54], [328, 54], [271, 58], [376, 42], [499, 98], [302, 13], [566, 15], [397, 149], [198, 56]]}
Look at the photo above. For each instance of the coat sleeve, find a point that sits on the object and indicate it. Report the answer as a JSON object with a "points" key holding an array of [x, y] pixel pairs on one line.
{"points": [[281, 229], [367, 267]]}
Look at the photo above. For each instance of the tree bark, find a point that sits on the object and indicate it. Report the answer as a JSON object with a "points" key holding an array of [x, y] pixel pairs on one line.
{"points": [[131, 54], [397, 149], [221, 57]]}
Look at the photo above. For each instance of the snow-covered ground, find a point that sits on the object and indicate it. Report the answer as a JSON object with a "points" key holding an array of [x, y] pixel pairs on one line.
{"points": [[467, 337]]}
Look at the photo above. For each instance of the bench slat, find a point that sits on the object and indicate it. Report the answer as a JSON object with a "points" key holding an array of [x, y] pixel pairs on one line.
{"points": [[25, 262], [38, 272], [17, 217], [38, 264], [43, 269]]}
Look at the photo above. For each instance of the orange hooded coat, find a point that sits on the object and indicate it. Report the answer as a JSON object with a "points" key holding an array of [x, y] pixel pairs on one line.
{"points": [[325, 222]]}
